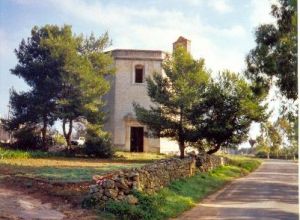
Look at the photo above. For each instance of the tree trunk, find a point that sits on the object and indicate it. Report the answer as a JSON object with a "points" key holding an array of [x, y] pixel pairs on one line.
{"points": [[68, 134], [180, 134], [268, 155], [215, 149], [181, 148], [44, 134], [64, 130]]}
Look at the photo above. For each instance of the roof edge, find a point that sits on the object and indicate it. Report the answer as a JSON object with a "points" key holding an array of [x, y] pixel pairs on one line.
{"points": [[137, 50]]}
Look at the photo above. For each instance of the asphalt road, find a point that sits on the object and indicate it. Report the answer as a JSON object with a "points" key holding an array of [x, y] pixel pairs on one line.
{"points": [[270, 192]]}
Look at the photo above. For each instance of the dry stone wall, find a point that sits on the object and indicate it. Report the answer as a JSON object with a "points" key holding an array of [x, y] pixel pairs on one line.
{"points": [[206, 162], [119, 185]]}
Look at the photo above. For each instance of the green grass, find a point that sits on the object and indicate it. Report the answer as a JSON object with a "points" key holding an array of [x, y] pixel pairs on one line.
{"points": [[17, 154], [183, 194], [61, 169], [248, 163], [141, 157], [6, 153], [48, 166]]}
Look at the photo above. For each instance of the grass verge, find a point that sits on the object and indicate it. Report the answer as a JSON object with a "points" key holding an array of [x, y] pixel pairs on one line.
{"points": [[183, 194], [53, 167]]}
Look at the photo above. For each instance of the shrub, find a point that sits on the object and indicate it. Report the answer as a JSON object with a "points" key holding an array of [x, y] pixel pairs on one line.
{"points": [[146, 208], [98, 143], [27, 139], [89, 202], [59, 139], [261, 154]]}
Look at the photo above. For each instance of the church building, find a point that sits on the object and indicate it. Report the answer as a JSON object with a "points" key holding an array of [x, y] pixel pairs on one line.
{"points": [[128, 85]]}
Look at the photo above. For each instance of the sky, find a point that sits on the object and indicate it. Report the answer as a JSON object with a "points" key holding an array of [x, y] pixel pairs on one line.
{"points": [[221, 31]]}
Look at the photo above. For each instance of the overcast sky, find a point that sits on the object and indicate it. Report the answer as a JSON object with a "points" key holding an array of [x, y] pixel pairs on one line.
{"points": [[221, 31]]}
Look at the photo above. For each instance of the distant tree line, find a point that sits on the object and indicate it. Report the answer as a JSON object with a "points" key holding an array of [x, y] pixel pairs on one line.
{"points": [[277, 140]]}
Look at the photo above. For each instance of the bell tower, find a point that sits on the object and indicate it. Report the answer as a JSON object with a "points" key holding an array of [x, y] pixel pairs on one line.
{"points": [[183, 42]]}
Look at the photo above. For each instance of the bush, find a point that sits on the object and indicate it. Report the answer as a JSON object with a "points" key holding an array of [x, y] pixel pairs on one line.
{"points": [[261, 154], [27, 139], [59, 139], [98, 144], [146, 208]]}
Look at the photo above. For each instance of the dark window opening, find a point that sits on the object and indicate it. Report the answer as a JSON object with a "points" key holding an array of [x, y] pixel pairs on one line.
{"points": [[139, 74]]}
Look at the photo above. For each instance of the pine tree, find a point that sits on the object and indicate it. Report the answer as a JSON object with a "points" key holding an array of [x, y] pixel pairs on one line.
{"points": [[41, 73], [84, 66], [66, 75], [174, 96], [224, 116]]}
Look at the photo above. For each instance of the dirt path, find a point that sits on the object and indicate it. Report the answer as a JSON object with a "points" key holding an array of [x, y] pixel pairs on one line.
{"points": [[269, 193], [17, 205], [21, 203]]}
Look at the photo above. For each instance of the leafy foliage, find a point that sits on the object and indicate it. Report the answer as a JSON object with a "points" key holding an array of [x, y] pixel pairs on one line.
{"points": [[275, 55], [59, 139], [270, 140], [278, 139]]}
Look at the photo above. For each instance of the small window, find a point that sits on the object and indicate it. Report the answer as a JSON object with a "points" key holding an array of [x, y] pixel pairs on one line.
{"points": [[139, 74]]}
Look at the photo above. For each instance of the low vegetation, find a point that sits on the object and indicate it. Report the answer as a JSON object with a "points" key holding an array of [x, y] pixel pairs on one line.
{"points": [[183, 194], [54, 167], [142, 157], [247, 163], [58, 169], [14, 154]]}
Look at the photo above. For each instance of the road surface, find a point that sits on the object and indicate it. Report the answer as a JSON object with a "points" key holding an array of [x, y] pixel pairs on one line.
{"points": [[271, 192]]}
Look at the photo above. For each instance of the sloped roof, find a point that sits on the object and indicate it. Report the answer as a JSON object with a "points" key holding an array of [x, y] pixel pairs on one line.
{"points": [[181, 38]]}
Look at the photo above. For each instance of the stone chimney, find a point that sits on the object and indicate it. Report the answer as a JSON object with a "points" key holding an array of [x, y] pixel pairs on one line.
{"points": [[183, 42]]}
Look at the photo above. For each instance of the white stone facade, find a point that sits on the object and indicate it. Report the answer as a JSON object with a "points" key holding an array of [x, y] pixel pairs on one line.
{"points": [[125, 91]]}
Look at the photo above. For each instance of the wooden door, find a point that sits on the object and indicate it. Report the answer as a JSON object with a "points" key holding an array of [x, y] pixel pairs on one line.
{"points": [[137, 139]]}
